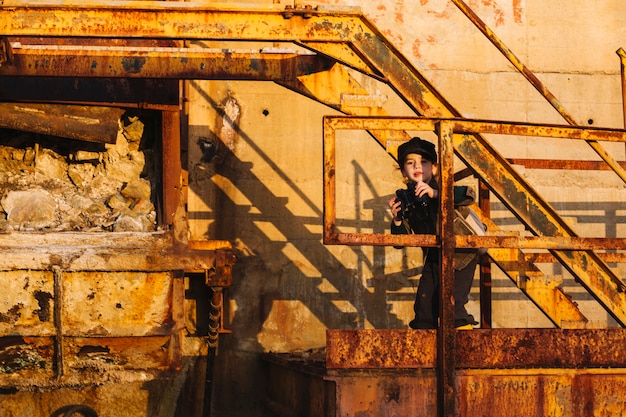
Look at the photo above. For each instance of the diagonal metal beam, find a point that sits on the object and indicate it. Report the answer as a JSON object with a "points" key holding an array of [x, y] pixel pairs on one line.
{"points": [[541, 219], [535, 82], [547, 296]]}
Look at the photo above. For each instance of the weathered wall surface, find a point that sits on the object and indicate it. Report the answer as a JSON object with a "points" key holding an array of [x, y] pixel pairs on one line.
{"points": [[264, 191]]}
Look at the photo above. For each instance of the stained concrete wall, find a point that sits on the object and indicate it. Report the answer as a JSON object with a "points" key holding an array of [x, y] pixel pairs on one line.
{"points": [[264, 192]]}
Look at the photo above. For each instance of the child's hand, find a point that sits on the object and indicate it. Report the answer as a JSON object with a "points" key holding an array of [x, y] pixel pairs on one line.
{"points": [[422, 189], [394, 206]]}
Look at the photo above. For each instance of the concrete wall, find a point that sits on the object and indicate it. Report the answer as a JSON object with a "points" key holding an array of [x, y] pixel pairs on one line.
{"points": [[265, 194]]}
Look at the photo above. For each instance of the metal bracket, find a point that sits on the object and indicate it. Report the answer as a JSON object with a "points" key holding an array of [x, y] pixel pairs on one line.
{"points": [[221, 274]]}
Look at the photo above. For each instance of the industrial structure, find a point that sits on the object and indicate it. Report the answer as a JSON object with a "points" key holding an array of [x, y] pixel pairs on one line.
{"points": [[119, 231]]}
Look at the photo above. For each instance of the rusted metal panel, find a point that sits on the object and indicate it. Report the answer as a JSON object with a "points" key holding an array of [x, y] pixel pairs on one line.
{"points": [[400, 394], [92, 124], [116, 304], [27, 362], [478, 349], [413, 392], [543, 348], [370, 349], [27, 303], [542, 393]]}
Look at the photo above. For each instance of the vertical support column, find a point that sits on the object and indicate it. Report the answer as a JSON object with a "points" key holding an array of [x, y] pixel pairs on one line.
{"points": [[59, 362], [171, 165], [446, 335], [622, 56], [328, 148], [485, 264]]}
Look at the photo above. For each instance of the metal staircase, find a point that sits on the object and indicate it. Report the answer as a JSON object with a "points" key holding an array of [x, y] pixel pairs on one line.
{"points": [[100, 41]]}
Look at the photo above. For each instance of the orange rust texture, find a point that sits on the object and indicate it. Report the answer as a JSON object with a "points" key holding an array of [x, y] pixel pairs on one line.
{"points": [[380, 349], [479, 349], [116, 304], [542, 393], [110, 353], [391, 395], [26, 303], [518, 10], [528, 394]]}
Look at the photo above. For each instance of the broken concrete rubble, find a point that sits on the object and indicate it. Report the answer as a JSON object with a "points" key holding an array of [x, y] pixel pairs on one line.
{"points": [[48, 185]]}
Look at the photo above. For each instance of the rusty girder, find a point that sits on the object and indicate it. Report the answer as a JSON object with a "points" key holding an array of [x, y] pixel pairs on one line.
{"points": [[160, 62]]}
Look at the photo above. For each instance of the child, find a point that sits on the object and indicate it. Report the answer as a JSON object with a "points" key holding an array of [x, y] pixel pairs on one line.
{"points": [[418, 162]]}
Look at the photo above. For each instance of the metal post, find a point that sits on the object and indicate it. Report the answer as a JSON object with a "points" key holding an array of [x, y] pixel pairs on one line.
{"points": [[485, 264], [622, 55], [446, 335]]}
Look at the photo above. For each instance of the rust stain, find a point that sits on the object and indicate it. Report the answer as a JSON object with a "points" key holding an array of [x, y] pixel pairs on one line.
{"points": [[416, 48], [518, 10], [43, 298], [12, 315]]}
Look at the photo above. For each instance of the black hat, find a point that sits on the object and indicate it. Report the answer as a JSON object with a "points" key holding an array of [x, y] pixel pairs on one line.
{"points": [[418, 146]]}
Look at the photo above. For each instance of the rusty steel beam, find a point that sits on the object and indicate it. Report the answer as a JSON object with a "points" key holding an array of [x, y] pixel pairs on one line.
{"points": [[484, 263], [547, 257], [538, 130], [92, 124], [446, 336], [160, 62], [176, 20], [478, 349], [171, 172], [567, 164]]}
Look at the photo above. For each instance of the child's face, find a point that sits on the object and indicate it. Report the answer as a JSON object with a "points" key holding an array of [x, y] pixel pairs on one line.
{"points": [[417, 169]]}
